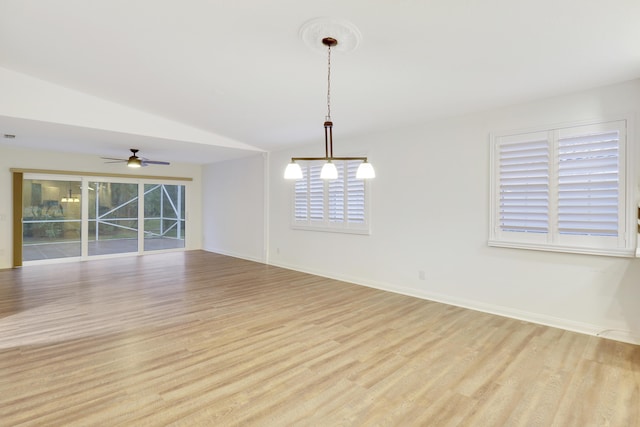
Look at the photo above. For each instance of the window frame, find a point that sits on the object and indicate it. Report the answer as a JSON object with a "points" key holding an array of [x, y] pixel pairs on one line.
{"points": [[623, 244], [327, 223]]}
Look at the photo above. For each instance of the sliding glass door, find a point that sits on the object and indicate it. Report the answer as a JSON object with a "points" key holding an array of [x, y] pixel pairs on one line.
{"points": [[86, 217], [51, 219], [113, 218], [164, 211]]}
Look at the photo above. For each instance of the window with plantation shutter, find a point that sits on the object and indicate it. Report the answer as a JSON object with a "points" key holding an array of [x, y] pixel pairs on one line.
{"points": [[588, 184], [524, 186], [331, 205], [562, 189]]}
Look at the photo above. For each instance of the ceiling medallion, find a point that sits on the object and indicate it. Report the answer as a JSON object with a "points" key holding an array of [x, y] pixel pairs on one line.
{"points": [[314, 31]]}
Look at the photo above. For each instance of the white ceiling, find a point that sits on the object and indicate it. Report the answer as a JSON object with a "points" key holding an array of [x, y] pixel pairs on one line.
{"points": [[239, 69]]}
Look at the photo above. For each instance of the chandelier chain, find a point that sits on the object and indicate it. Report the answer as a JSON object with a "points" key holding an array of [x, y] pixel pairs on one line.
{"points": [[329, 85]]}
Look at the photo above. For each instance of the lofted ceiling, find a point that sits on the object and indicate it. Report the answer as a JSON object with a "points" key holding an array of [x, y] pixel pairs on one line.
{"points": [[237, 77]]}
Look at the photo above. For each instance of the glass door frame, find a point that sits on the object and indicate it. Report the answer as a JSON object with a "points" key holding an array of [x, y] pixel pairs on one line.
{"points": [[48, 177]]}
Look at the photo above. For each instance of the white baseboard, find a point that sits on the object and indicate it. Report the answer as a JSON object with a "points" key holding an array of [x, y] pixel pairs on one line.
{"points": [[555, 322], [235, 255]]}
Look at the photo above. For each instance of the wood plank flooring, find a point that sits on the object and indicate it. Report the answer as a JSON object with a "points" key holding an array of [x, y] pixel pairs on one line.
{"points": [[195, 338]]}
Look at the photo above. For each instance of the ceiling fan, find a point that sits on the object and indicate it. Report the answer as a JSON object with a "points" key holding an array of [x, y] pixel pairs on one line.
{"points": [[134, 161]]}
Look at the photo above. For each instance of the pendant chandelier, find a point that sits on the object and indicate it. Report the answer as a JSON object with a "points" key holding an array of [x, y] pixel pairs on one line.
{"points": [[329, 170], [70, 198]]}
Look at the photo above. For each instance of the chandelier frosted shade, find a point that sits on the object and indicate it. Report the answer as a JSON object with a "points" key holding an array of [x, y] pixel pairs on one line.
{"points": [[329, 171], [365, 171], [293, 171]]}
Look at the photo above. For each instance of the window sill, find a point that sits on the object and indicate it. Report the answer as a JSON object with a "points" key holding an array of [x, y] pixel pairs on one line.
{"points": [[360, 231], [626, 253]]}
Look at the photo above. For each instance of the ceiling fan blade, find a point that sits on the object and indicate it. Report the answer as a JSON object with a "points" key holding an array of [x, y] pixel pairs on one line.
{"points": [[154, 162], [117, 161], [113, 158]]}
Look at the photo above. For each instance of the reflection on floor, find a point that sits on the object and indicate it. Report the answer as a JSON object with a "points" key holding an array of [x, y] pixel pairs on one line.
{"points": [[40, 251]]}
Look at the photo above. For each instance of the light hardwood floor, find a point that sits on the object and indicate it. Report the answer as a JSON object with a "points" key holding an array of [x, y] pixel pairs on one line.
{"points": [[197, 338]]}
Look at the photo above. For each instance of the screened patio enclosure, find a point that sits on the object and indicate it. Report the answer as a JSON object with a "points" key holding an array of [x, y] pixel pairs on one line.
{"points": [[81, 217]]}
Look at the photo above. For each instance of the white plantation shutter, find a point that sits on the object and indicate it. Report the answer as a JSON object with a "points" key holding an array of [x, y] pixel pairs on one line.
{"points": [[316, 193], [336, 199], [333, 205], [355, 195], [562, 189], [588, 181], [301, 197], [308, 200], [524, 186]]}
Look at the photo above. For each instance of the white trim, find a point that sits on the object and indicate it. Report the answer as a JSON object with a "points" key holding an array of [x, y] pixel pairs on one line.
{"points": [[602, 331], [617, 252], [140, 217], [52, 261], [345, 230], [266, 216], [237, 255], [629, 116]]}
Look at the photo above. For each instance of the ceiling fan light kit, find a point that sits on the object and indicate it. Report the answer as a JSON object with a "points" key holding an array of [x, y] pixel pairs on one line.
{"points": [[309, 33], [134, 161]]}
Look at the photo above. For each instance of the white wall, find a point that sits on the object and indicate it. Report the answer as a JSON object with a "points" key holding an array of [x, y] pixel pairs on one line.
{"points": [[233, 202], [430, 213], [33, 159]]}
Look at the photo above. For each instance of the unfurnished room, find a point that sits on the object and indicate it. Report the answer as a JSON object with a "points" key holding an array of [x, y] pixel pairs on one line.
{"points": [[357, 213]]}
